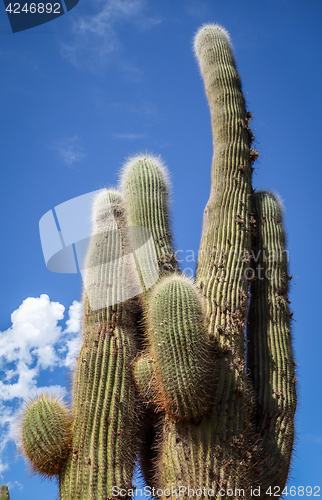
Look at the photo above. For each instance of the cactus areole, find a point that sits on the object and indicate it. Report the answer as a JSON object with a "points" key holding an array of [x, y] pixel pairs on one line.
{"points": [[196, 377]]}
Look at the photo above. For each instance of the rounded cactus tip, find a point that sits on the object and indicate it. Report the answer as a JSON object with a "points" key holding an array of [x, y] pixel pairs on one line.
{"points": [[279, 202], [103, 207], [45, 434], [273, 202], [144, 160], [184, 279], [4, 492], [206, 34]]}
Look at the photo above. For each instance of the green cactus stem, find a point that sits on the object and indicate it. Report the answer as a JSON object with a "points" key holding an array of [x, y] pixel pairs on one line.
{"points": [[105, 422], [178, 344], [46, 435], [4, 493], [146, 187], [269, 357], [225, 243], [145, 184], [219, 452]]}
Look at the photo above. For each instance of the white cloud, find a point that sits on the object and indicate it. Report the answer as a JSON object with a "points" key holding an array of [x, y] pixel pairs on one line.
{"points": [[69, 150], [73, 347], [75, 318], [101, 23], [46, 356], [73, 326], [14, 485], [34, 325], [34, 342], [95, 36]]}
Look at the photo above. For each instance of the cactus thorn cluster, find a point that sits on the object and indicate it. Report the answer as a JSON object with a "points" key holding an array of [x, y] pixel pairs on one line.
{"points": [[196, 376]]}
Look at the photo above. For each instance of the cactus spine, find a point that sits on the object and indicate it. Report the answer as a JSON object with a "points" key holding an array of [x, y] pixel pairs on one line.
{"points": [[217, 453], [212, 415]]}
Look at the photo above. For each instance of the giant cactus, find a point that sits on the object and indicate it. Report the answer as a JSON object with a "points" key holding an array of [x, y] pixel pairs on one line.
{"points": [[196, 376]]}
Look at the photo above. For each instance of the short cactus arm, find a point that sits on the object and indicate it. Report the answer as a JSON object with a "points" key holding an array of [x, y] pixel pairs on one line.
{"points": [[178, 343], [270, 359], [144, 373], [46, 435]]}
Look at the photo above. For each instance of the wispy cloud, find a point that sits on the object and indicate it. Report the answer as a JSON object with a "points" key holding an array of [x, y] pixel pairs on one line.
{"points": [[33, 343], [69, 150], [142, 108], [95, 38], [129, 136], [14, 485], [197, 9]]}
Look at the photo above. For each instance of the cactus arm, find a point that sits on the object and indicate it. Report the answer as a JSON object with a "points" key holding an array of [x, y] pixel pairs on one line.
{"points": [[45, 430], [143, 372], [216, 452], [179, 346], [270, 359], [104, 443], [145, 184], [175, 336], [225, 234]]}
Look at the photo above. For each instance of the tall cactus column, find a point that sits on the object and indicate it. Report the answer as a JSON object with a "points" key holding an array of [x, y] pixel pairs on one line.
{"points": [[226, 240], [146, 187], [105, 420], [216, 453]]}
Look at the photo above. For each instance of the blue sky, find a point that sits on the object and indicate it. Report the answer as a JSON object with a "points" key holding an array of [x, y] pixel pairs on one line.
{"points": [[116, 77]]}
